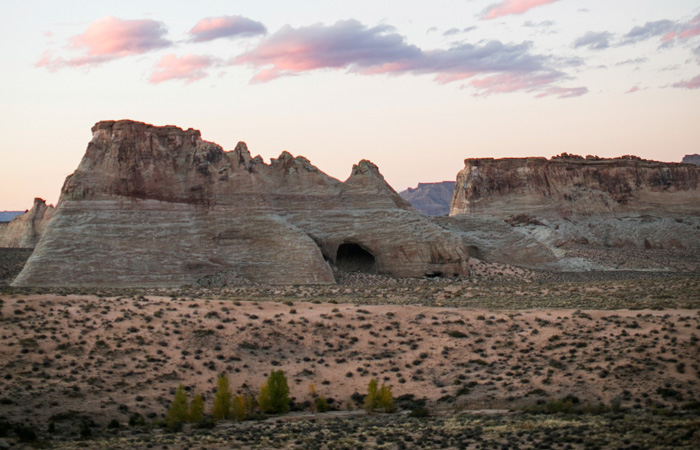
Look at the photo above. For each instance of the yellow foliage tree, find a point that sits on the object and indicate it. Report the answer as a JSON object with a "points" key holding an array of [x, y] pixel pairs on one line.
{"points": [[222, 400], [238, 409], [196, 409]]}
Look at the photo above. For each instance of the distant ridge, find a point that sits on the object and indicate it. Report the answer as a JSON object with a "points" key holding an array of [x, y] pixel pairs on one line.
{"points": [[6, 216], [431, 199]]}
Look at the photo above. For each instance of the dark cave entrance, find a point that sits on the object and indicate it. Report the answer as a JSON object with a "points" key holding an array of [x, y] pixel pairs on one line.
{"points": [[353, 258]]}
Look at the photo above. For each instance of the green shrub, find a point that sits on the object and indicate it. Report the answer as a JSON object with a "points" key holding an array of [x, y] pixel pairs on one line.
{"points": [[321, 404]]}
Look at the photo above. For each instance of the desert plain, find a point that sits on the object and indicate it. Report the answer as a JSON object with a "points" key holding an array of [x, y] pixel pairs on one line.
{"points": [[508, 358]]}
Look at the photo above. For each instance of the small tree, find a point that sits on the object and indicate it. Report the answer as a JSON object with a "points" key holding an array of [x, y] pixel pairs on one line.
{"points": [[372, 397], [386, 399], [238, 409], [222, 400], [264, 400], [177, 414], [196, 409], [274, 394], [321, 404]]}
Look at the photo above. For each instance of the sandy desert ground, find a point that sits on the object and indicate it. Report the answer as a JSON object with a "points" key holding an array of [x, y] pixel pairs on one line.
{"points": [[484, 354]]}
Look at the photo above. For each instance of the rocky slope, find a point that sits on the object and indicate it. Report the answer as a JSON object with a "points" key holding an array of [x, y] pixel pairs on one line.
{"points": [[431, 199], [570, 186], [159, 206], [25, 230]]}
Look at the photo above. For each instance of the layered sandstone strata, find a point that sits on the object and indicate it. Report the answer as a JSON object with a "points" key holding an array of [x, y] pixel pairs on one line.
{"points": [[571, 186], [159, 206], [25, 230]]}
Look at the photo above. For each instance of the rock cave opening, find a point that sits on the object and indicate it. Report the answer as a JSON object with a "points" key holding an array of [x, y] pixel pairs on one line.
{"points": [[353, 258]]}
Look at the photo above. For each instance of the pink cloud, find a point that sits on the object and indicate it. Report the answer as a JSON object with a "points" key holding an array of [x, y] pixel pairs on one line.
{"points": [[693, 83], [351, 46], [189, 68], [118, 37], [507, 7], [107, 39], [212, 28], [632, 90]]}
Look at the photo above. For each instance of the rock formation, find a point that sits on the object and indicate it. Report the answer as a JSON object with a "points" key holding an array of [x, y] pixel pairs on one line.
{"points": [[25, 230], [431, 199], [550, 214], [570, 186], [691, 159], [159, 206]]}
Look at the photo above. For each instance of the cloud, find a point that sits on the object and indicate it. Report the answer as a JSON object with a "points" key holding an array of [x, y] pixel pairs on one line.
{"points": [[453, 31], [212, 28], [693, 83], [632, 90], [683, 31], [669, 31], [648, 30], [110, 38], [347, 44], [491, 67], [561, 92], [627, 62], [594, 41], [189, 68], [507, 7]]}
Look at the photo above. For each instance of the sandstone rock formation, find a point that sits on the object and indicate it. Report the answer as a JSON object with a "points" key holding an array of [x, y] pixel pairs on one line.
{"points": [[159, 206], [691, 159], [25, 230], [570, 186], [548, 213], [431, 199]]}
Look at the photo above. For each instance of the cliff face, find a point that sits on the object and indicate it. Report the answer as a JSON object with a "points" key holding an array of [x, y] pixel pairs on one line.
{"points": [[431, 199], [571, 186], [159, 206], [25, 230]]}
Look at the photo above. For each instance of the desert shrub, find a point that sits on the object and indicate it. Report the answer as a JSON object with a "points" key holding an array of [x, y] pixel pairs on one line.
{"points": [[274, 394], [667, 393], [25, 433], [85, 430], [196, 412], [113, 424], [136, 420], [177, 414], [419, 412], [457, 334], [321, 404], [222, 400]]}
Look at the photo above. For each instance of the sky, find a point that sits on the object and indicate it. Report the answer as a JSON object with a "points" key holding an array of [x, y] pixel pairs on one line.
{"points": [[414, 86]]}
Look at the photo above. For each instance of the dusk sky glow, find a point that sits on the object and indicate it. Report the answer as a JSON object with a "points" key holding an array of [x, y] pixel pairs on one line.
{"points": [[416, 87]]}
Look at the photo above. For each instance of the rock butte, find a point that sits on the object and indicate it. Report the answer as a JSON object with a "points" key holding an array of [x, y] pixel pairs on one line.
{"points": [[571, 186], [159, 206], [24, 231]]}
